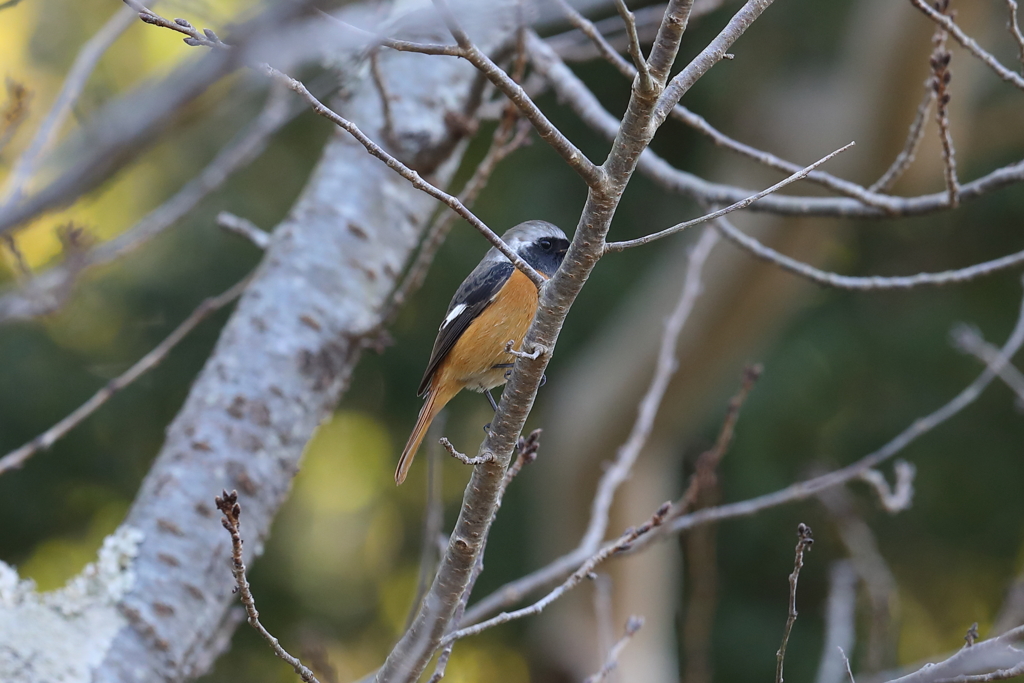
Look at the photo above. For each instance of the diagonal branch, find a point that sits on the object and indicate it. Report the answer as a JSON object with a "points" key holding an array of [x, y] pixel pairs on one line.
{"points": [[969, 43], [864, 283], [635, 51], [742, 204], [17, 457]]}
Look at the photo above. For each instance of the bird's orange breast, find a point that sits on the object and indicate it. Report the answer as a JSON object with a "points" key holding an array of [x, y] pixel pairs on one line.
{"points": [[482, 346]]}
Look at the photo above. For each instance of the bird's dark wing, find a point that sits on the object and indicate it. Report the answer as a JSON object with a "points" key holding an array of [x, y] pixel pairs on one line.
{"points": [[474, 295]]}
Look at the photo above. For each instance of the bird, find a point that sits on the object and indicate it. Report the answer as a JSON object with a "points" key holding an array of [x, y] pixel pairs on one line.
{"points": [[495, 304]]}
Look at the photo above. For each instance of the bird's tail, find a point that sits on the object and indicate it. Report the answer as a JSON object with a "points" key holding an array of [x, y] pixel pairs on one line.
{"points": [[437, 398]]}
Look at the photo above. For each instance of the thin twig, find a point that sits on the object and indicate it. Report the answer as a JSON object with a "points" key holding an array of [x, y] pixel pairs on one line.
{"points": [[526, 453], [969, 43], [49, 290], [501, 147], [1000, 655], [901, 495], [227, 503], [409, 174], [633, 624], [840, 622], [864, 283], [941, 76], [623, 543], [968, 339], [14, 112], [245, 228], [388, 128], [74, 83], [915, 134], [462, 457], [742, 204], [17, 457], [1014, 27], [592, 174], [647, 410], [516, 590], [646, 84], [195, 37], [803, 544]]}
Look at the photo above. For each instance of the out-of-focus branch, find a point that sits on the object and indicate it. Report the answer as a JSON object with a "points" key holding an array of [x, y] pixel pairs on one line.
{"points": [[620, 469], [1013, 26], [572, 156], [941, 76], [74, 83], [409, 174], [742, 204], [574, 93], [968, 339], [874, 572], [17, 457], [803, 544], [840, 623], [994, 659], [48, 291], [227, 503], [969, 43], [915, 135], [243, 227], [623, 543], [864, 283], [15, 110], [514, 591], [633, 624]]}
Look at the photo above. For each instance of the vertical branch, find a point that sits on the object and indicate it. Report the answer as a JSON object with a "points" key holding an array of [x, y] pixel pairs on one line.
{"points": [[803, 544], [941, 77], [1014, 27]]}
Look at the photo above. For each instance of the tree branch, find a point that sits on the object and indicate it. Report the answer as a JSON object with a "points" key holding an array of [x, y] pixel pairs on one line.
{"points": [[44, 441], [969, 43], [864, 283], [742, 204]]}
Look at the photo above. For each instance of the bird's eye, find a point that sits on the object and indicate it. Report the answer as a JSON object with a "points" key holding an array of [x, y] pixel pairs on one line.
{"points": [[545, 244]]}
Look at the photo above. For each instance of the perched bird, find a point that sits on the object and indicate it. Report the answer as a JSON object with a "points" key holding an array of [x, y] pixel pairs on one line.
{"points": [[495, 304]]}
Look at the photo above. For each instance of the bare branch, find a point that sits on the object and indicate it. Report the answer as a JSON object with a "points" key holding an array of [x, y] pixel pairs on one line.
{"points": [[1014, 27], [647, 410], [968, 339], [635, 51], [864, 283], [840, 623], [196, 38], [501, 147], [969, 44], [633, 625], [901, 495], [803, 544], [17, 457], [623, 543], [998, 657], [409, 174], [74, 83], [590, 172], [708, 57], [227, 503], [915, 135], [742, 204], [941, 76], [591, 31], [14, 111], [515, 591], [462, 457], [244, 228], [574, 93], [49, 290]]}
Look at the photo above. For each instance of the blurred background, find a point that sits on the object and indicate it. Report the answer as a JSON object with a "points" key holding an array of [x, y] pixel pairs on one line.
{"points": [[844, 371]]}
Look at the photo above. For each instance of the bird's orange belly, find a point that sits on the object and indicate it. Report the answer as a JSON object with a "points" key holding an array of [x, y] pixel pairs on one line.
{"points": [[482, 346]]}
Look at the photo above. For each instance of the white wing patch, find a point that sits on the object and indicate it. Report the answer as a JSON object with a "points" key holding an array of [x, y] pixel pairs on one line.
{"points": [[452, 315]]}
